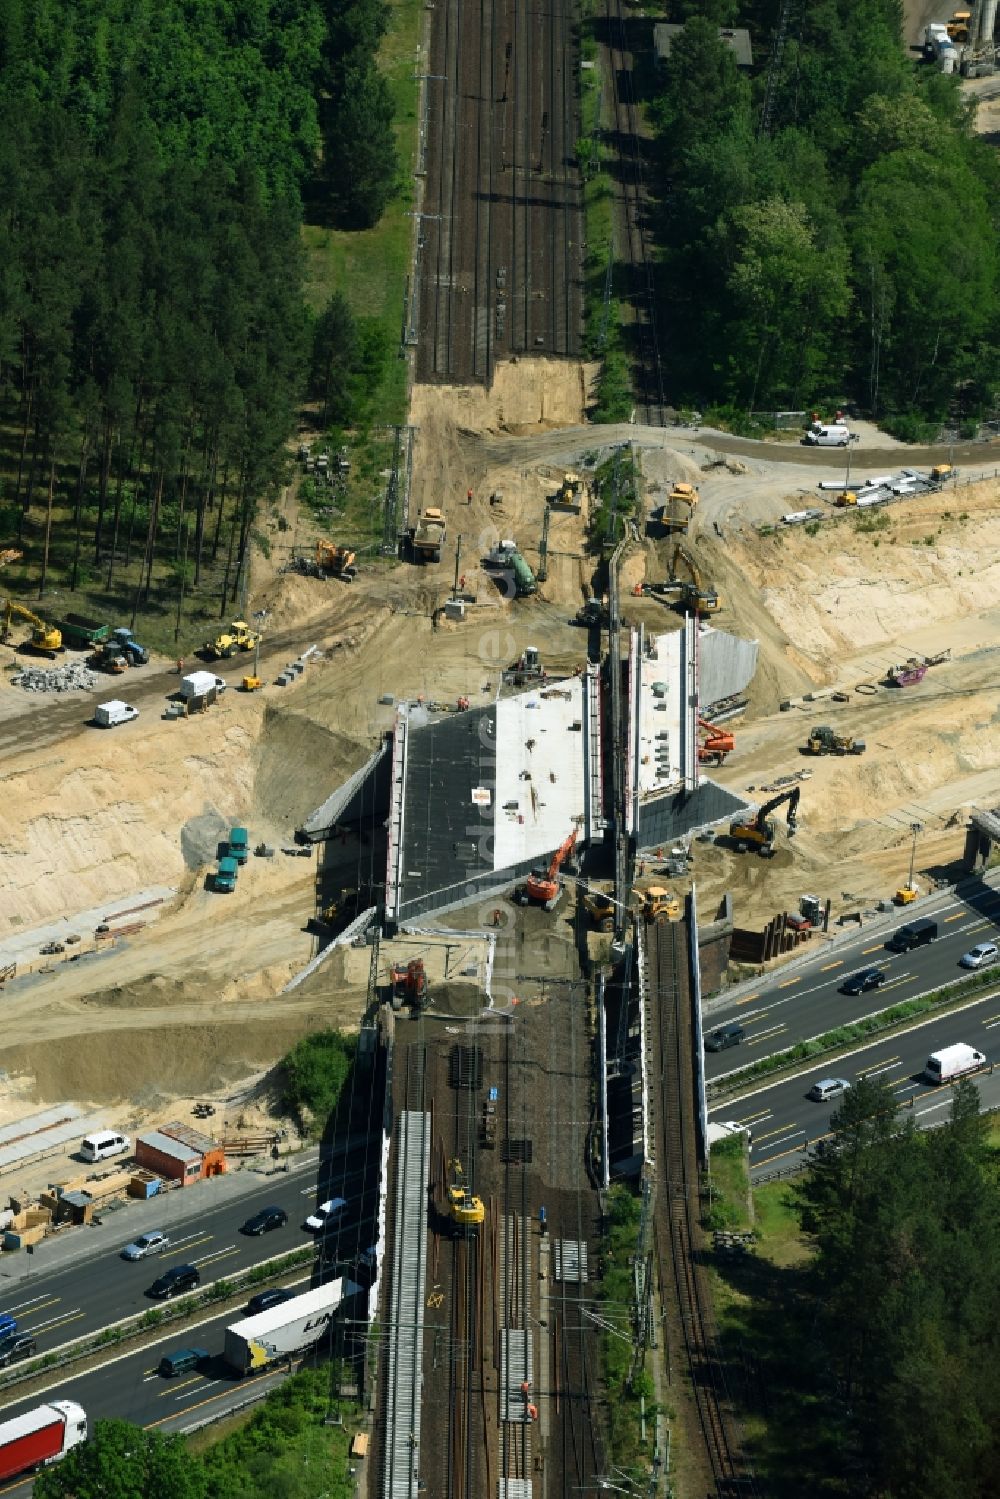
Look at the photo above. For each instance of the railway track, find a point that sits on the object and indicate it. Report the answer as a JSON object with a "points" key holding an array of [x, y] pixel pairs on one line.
{"points": [[632, 204], [466, 1449], [677, 1234], [499, 260]]}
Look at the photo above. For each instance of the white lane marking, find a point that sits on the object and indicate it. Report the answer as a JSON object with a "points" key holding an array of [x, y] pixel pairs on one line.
{"points": [[771, 1144], [946, 1104]]}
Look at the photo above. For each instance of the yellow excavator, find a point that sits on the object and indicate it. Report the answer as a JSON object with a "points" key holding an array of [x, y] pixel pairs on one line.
{"points": [[337, 561], [44, 638], [758, 832], [693, 594], [465, 1209]]}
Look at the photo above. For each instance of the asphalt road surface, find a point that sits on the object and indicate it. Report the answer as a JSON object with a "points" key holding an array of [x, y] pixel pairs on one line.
{"points": [[785, 1124], [796, 1006], [89, 1293]]}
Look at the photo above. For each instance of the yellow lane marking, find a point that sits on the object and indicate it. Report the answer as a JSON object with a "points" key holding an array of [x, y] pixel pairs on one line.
{"points": [[786, 983], [173, 1386], [827, 966], [877, 948], [183, 1248], [747, 998], [957, 916]]}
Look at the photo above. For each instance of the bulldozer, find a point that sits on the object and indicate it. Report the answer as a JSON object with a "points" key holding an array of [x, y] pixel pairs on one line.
{"points": [[45, 639], [465, 1210], [238, 637], [717, 745], [337, 562], [959, 28], [542, 886], [826, 741], [659, 902], [758, 832]]}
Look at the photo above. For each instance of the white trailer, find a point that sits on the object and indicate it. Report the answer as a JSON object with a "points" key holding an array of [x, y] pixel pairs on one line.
{"points": [[202, 684], [953, 1061], [107, 715], [286, 1330]]}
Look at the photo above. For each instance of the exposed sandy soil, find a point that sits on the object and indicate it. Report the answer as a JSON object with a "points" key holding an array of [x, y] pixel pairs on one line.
{"points": [[194, 1003]]}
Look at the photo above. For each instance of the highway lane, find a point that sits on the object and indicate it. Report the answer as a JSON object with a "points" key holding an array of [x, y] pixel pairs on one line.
{"points": [[100, 1287], [784, 1123], [127, 1387], [791, 1007]]}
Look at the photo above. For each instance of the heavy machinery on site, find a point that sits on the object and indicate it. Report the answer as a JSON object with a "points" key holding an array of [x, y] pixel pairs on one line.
{"points": [[45, 639], [527, 668], [134, 653], [109, 657], [569, 494], [408, 985], [694, 594], [427, 537], [591, 614], [505, 559], [674, 515], [335, 562], [600, 909], [238, 637], [758, 832], [543, 886], [717, 744], [465, 1210], [659, 902], [826, 741]]}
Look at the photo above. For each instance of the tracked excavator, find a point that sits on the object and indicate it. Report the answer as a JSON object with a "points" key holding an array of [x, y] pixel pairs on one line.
{"points": [[694, 594], [542, 886], [465, 1210], [758, 832], [44, 638], [338, 562], [717, 744]]}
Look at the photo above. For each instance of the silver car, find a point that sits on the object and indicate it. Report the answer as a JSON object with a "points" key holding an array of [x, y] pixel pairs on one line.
{"points": [[980, 956], [155, 1242]]}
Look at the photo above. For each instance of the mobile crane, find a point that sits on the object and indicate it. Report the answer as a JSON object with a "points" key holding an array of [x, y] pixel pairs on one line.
{"points": [[717, 745], [758, 832], [542, 885], [44, 638]]}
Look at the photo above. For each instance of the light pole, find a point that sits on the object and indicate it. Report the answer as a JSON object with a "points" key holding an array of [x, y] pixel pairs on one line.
{"points": [[915, 828]]}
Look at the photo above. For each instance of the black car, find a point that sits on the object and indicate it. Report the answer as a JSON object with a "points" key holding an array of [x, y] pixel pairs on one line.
{"points": [[264, 1300], [175, 1282], [16, 1345], [726, 1036], [860, 983], [265, 1220]]}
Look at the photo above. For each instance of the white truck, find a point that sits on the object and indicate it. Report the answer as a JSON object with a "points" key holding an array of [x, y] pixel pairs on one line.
{"points": [[950, 1062], [107, 715], [939, 46], [202, 684], [285, 1330], [40, 1436]]}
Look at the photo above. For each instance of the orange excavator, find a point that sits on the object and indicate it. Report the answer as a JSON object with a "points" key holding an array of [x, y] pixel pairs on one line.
{"points": [[337, 561], [717, 744], [542, 885], [409, 985]]}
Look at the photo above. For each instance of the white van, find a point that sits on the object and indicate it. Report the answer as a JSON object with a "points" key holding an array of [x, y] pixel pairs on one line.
{"points": [[107, 715], [107, 1142], [822, 436]]}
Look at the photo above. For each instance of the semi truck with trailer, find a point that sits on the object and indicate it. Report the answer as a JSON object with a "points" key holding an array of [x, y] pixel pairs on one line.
{"points": [[40, 1436], [951, 1062], [284, 1331]]}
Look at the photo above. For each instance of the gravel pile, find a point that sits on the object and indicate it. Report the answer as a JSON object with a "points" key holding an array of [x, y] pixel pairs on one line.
{"points": [[69, 678]]}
